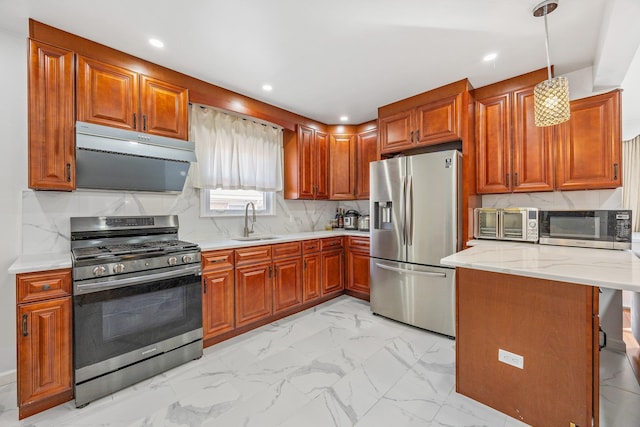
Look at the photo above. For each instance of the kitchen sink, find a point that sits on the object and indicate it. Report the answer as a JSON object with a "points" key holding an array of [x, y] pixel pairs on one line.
{"points": [[254, 238]]}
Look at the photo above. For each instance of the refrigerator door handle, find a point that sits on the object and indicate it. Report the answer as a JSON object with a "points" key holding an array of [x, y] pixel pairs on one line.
{"points": [[403, 206], [417, 272], [410, 212]]}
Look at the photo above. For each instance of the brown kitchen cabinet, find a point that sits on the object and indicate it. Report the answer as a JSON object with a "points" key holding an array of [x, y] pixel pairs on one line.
{"points": [[44, 343], [306, 160], [552, 325], [218, 296], [366, 152], [287, 276], [254, 291], [435, 122], [332, 264], [51, 118], [311, 280], [357, 283], [590, 144], [115, 96], [342, 167], [513, 155]]}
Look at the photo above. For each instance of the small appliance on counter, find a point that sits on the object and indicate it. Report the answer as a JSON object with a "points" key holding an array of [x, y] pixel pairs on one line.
{"points": [[519, 224], [351, 219], [600, 229], [363, 222]]}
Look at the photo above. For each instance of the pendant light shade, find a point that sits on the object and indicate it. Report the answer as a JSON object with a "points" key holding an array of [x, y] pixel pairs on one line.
{"points": [[551, 97]]}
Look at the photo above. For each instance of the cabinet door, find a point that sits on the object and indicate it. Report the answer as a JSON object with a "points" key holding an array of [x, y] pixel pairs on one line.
{"points": [[590, 144], [396, 132], [493, 124], [51, 118], [44, 355], [532, 154], [438, 121], [358, 271], [366, 152], [217, 303], [311, 280], [164, 108], [306, 158], [321, 163], [332, 271], [287, 284], [253, 293], [107, 95], [342, 167]]}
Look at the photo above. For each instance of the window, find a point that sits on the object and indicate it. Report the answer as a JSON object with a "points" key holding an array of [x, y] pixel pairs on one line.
{"points": [[232, 202]]}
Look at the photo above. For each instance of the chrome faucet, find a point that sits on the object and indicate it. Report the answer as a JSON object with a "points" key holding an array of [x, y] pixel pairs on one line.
{"points": [[246, 231]]}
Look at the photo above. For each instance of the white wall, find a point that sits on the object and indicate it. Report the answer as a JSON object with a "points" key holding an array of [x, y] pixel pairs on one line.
{"points": [[13, 178]]}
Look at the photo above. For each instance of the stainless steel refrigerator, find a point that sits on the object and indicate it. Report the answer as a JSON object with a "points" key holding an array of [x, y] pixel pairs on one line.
{"points": [[415, 221]]}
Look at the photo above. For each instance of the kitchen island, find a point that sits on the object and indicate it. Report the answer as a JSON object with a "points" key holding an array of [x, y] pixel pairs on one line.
{"points": [[528, 327]]}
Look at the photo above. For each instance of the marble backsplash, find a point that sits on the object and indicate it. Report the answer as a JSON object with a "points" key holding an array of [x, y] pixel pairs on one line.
{"points": [[45, 215], [592, 199]]}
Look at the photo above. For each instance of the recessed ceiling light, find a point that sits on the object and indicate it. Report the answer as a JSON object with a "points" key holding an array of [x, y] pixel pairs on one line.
{"points": [[344, 118], [156, 43], [490, 57], [267, 87]]}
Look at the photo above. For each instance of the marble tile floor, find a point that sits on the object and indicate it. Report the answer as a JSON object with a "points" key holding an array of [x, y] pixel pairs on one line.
{"points": [[333, 365]]}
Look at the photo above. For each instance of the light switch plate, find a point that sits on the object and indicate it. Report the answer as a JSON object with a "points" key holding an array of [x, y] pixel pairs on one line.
{"points": [[509, 358]]}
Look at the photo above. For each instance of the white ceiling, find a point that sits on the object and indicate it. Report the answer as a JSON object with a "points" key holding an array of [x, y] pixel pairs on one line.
{"points": [[328, 58]]}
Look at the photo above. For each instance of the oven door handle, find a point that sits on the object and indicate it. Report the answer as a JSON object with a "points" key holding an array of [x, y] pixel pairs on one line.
{"points": [[98, 285]]}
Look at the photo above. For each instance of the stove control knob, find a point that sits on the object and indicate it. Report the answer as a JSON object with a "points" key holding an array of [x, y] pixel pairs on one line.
{"points": [[187, 259], [118, 268], [99, 270], [172, 260]]}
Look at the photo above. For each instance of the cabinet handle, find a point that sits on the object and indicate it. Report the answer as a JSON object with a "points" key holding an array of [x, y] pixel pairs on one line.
{"points": [[275, 271], [515, 179], [205, 285], [506, 177], [144, 122], [25, 328], [270, 272], [134, 121], [68, 172], [411, 136], [615, 171], [305, 264]]}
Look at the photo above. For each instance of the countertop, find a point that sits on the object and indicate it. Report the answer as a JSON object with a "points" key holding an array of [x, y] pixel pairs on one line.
{"points": [[605, 268], [51, 261]]}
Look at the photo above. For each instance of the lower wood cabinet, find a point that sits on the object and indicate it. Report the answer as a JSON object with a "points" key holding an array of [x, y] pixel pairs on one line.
{"points": [[332, 265], [358, 267], [287, 276], [311, 260], [218, 294], [44, 343], [254, 293]]}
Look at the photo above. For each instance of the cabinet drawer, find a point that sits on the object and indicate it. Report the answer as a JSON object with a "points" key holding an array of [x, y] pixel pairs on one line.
{"points": [[217, 260], [286, 250], [43, 285], [253, 254], [332, 243], [358, 244], [311, 246]]}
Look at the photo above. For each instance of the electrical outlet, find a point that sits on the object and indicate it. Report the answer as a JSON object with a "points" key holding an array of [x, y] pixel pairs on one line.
{"points": [[509, 358]]}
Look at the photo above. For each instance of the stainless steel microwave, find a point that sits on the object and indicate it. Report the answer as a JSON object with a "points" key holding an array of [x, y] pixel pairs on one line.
{"points": [[519, 224], [603, 229]]}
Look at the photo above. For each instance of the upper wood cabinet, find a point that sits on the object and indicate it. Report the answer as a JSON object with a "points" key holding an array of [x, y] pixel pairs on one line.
{"points": [[114, 96], [366, 152], [590, 144], [51, 118], [306, 164], [434, 122], [342, 167], [513, 154]]}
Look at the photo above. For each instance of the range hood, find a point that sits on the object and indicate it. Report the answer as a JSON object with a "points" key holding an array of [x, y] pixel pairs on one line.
{"points": [[116, 159]]}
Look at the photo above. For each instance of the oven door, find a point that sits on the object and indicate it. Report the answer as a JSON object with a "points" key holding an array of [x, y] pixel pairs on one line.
{"points": [[485, 224], [118, 326], [513, 224]]}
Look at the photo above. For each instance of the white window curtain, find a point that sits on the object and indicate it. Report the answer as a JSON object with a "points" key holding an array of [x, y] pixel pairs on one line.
{"points": [[631, 179], [234, 153]]}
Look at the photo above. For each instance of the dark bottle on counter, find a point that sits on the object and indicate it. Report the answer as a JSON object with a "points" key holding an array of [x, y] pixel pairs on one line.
{"points": [[340, 218]]}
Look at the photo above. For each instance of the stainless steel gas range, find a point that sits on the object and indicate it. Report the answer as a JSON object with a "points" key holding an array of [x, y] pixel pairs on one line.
{"points": [[137, 302]]}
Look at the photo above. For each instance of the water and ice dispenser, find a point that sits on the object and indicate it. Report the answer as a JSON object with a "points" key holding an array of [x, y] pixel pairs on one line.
{"points": [[383, 215]]}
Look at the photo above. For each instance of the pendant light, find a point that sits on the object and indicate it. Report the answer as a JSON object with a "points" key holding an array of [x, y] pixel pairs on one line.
{"points": [[551, 97]]}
